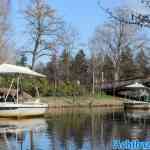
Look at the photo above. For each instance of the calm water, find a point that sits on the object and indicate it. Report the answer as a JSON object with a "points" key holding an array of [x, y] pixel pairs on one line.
{"points": [[85, 129]]}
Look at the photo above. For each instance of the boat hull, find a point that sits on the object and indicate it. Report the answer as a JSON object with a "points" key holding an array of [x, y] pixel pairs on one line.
{"points": [[22, 110], [136, 105]]}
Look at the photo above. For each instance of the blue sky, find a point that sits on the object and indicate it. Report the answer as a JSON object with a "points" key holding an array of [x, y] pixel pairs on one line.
{"points": [[83, 15]]}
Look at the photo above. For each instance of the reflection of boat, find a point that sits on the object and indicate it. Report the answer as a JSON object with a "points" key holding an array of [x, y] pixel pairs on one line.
{"points": [[137, 123], [136, 132], [7, 125], [138, 114], [10, 106], [14, 133]]}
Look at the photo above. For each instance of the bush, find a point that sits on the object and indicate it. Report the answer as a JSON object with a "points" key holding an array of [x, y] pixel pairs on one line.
{"points": [[65, 89], [45, 88], [30, 86]]}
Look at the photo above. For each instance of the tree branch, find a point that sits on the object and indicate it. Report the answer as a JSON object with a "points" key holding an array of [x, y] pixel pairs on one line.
{"points": [[29, 52], [139, 19], [41, 55]]}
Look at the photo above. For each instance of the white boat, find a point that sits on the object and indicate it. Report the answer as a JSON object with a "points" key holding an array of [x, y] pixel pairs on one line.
{"points": [[22, 110], [18, 108], [133, 104], [139, 103]]}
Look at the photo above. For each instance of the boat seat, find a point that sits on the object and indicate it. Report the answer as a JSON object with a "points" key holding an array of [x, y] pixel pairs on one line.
{"points": [[10, 99], [2, 99]]}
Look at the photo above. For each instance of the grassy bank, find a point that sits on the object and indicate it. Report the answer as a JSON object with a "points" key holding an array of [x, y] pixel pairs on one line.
{"points": [[83, 101]]}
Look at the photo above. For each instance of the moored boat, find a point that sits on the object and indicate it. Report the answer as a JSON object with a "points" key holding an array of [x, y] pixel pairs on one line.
{"points": [[16, 108], [22, 110], [141, 100], [133, 104]]}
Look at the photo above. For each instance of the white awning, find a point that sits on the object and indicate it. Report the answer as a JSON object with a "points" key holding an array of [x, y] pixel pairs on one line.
{"points": [[8, 69], [136, 85]]}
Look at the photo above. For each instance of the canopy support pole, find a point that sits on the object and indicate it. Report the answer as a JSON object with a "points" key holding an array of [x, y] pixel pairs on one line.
{"points": [[37, 91], [9, 89], [18, 89]]}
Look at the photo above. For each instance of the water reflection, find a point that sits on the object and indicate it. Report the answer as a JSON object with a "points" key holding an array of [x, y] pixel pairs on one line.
{"points": [[21, 134], [74, 129]]}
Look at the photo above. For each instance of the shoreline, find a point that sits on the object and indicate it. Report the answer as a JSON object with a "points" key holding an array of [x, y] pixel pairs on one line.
{"points": [[82, 102], [84, 105]]}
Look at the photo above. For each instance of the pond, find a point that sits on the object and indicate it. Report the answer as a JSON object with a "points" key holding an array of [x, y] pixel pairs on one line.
{"points": [[75, 129]]}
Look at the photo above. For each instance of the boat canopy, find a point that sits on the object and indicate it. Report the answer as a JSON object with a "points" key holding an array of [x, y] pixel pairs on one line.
{"points": [[9, 69], [136, 85]]}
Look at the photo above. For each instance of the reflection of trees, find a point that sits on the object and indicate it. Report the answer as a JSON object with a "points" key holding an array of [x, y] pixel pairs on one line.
{"points": [[78, 127], [125, 127], [96, 129], [69, 126]]}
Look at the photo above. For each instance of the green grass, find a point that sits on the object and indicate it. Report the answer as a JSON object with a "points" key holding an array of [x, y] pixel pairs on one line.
{"points": [[103, 96]]}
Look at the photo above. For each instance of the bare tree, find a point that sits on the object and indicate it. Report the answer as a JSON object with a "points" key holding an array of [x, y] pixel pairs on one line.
{"points": [[97, 59], [134, 18], [6, 55], [68, 40], [112, 38], [43, 27]]}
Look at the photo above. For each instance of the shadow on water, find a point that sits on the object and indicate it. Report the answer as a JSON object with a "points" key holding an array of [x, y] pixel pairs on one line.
{"points": [[74, 129]]}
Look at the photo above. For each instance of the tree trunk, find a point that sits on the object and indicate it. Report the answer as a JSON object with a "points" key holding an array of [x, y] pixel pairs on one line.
{"points": [[35, 51], [116, 79], [33, 62]]}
